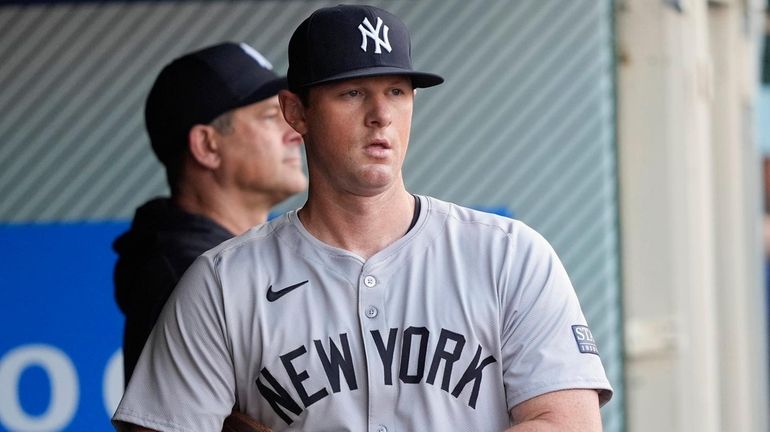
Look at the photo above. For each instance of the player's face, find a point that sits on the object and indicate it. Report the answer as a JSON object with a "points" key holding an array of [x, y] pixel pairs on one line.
{"points": [[261, 153], [357, 133]]}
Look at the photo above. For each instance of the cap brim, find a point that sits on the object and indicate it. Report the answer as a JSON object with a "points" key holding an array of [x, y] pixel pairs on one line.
{"points": [[265, 91], [419, 79]]}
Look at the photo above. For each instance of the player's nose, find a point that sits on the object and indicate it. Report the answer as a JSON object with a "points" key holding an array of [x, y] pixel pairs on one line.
{"points": [[378, 111]]}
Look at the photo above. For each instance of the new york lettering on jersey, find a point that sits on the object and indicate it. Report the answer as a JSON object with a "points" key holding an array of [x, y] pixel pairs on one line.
{"points": [[336, 362]]}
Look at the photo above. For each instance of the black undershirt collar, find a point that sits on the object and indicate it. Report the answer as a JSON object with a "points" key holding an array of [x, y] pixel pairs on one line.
{"points": [[416, 214]]}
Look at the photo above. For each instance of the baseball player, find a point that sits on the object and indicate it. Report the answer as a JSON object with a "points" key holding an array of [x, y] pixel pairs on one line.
{"points": [[369, 308]]}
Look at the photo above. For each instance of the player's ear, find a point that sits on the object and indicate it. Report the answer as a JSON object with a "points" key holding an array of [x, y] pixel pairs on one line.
{"points": [[293, 110], [203, 146]]}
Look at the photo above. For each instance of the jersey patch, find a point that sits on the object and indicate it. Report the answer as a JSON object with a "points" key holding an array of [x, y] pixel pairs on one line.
{"points": [[585, 339]]}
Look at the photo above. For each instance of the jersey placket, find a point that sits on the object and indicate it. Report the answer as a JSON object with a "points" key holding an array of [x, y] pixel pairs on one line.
{"points": [[373, 318]]}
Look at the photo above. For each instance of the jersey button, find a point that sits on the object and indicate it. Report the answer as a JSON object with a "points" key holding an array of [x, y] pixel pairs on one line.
{"points": [[370, 281], [382, 428], [371, 312]]}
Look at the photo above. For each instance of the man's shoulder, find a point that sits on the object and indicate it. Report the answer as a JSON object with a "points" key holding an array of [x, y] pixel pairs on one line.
{"points": [[464, 215], [474, 222], [260, 237]]}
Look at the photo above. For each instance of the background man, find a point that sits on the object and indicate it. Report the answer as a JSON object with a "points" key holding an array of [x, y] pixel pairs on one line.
{"points": [[215, 123]]}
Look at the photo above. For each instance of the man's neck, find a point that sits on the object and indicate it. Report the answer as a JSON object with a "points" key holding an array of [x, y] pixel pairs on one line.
{"points": [[361, 225], [236, 216]]}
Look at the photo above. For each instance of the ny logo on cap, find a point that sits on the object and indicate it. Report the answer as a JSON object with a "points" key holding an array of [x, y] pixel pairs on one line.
{"points": [[374, 33]]}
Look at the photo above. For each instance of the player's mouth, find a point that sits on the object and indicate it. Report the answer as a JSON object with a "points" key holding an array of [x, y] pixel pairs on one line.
{"points": [[378, 148]]}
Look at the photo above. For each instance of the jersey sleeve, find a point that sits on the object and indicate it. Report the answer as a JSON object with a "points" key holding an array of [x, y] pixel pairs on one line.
{"points": [[546, 343], [184, 380]]}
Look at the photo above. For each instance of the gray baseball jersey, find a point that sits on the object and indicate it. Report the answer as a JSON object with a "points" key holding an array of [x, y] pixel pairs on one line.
{"points": [[448, 328]]}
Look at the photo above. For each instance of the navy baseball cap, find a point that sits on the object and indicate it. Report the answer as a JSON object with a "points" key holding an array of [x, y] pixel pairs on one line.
{"points": [[351, 41], [199, 86]]}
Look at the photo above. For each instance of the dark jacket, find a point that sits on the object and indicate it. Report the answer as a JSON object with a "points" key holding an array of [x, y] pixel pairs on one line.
{"points": [[152, 256]]}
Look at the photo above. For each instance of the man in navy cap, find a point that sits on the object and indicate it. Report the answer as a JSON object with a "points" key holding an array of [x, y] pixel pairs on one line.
{"points": [[371, 308], [215, 124]]}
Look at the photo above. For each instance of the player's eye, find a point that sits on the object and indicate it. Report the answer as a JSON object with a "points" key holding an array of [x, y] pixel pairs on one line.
{"points": [[397, 92]]}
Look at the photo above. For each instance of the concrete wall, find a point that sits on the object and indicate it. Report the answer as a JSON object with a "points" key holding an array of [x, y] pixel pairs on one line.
{"points": [[694, 300]]}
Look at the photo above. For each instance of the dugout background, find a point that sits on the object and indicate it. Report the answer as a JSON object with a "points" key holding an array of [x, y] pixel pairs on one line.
{"points": [[524, 126]]}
